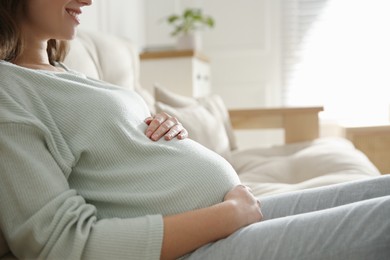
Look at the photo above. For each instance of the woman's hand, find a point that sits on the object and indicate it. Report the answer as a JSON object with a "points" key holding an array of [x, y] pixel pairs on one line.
{"points": [[247, 205], [165, 125], [190, 230]]}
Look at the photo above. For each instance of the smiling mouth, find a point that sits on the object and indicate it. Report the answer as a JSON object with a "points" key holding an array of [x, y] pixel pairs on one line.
{"points": [[75, 14]]}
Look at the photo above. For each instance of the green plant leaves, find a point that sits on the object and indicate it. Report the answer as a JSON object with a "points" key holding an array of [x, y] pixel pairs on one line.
{"points": [[191, 20]]}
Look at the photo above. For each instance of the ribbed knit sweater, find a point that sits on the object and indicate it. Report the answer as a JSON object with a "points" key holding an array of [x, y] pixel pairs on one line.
{"points": [[80, 179]]}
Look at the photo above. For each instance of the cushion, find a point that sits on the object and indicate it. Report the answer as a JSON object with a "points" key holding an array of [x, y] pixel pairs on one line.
{"points": [[217, 107], [163, 95], [201, 118], [213, 103], [298, 166]]}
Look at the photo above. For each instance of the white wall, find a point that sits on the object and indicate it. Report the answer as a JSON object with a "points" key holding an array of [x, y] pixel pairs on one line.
{"points": [[244, 49], [244, 46], [120, 17]]}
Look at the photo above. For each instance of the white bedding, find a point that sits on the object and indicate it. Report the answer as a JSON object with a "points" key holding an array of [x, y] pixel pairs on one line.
{"points": [[298, 166]]}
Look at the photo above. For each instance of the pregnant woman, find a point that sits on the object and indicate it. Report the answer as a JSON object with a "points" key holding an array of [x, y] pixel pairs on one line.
{"points": [[87, 173]]}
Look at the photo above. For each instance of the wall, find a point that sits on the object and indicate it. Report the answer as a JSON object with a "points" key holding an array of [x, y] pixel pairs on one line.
{"points": [[119, 17], [243, 48]]}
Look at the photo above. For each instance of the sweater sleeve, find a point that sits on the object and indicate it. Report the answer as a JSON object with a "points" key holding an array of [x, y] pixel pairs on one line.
{"points": [[42, 218]]}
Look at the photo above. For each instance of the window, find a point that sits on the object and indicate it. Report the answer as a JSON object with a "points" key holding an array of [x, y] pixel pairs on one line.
{"points": [[337, 54]]}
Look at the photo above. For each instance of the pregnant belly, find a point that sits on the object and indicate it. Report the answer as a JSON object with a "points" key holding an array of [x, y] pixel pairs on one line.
{"points": [[171, 178], [195, 177]]}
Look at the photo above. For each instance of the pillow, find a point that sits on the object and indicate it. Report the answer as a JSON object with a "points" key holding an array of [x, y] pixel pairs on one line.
{"points": [[165, 96], [213, 103], [202, 126], [147, 97], [216, 106]]}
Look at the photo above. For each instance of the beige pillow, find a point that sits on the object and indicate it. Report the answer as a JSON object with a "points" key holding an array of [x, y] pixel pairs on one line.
{"points": [[213, 103], [216, 106], [163, 95], [202, 126]]}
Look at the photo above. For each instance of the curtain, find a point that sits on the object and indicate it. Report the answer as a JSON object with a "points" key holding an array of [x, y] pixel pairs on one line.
{"points": [[336, 53]]}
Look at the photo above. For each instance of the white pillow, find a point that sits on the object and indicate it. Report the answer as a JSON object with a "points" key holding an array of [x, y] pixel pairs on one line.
{"points": [[202, 126], [213, 103], [216, 106], [166, 96], [201, 117]]}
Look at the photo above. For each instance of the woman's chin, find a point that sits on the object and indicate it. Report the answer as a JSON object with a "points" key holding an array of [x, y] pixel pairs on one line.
{"points": [[70, 35]]}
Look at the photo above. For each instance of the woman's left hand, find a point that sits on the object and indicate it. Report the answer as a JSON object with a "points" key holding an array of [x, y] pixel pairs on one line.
{"points": [[164, 125]]}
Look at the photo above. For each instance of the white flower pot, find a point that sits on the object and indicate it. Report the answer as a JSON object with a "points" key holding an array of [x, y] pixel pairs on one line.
{"points": [[189, 42]]}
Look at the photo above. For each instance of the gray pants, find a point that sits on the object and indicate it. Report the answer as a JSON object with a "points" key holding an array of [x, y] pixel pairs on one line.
{"points": [[343, 221]]}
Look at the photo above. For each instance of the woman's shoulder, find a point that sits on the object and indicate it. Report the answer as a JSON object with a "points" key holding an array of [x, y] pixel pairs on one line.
{"points": [[7, 67], [18, 96], [15, 80]]}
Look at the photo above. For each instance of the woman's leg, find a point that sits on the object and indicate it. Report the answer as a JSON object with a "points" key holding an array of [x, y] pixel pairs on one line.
{"points": [[359, 230], [304, 201]]}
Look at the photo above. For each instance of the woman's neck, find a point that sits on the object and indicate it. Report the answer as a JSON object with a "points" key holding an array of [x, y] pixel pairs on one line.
{"points": [[36, 63], [39, 66], [35, 56]]}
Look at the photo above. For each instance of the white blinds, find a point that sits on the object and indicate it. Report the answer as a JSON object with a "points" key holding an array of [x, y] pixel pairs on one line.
{"points": [[336, 53], [298, 17]]}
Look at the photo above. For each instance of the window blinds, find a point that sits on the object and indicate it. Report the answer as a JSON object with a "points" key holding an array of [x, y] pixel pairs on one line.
{"points": [[298, 18]]}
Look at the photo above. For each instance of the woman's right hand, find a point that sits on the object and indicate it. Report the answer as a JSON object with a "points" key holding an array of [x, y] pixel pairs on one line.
{"points": [[164, 125], [247, 205]]}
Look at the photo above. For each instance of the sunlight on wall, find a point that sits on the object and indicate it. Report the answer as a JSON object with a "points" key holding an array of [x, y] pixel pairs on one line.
{"points": [[346, 62]]}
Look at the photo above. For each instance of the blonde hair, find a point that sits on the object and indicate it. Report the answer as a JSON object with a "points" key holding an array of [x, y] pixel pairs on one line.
{"points": [[11, 38]]}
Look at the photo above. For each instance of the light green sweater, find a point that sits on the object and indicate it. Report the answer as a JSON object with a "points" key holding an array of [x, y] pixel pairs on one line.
{"points": [[79, 178]]}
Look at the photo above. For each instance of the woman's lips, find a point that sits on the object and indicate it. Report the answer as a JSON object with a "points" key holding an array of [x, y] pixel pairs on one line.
{"points": [[75, 14]]}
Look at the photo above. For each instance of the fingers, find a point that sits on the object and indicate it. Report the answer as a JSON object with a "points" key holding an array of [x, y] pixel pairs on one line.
{"points": [[250, 206], [177, 130], [250, 191], [245, 187], [159, 125], [165, 125], [256, 203]]}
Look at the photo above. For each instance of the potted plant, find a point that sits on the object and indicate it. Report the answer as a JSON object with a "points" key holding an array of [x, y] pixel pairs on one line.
{"points": [[186, 27]]}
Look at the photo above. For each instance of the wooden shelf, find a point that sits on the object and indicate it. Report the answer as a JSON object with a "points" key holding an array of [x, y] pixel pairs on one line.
{"points": [[150, 55]]}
